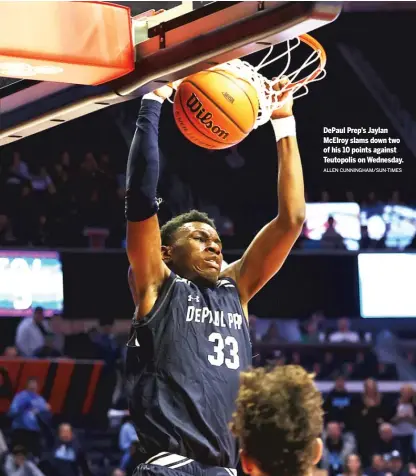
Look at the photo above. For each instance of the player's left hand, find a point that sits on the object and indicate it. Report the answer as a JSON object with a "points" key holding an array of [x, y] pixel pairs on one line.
{"points": [[164, 91], [287, 96]]}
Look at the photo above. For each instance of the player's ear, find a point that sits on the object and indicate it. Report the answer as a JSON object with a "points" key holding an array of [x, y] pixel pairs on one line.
{"points": [[317, 451], [166, 253], [247, 463]]}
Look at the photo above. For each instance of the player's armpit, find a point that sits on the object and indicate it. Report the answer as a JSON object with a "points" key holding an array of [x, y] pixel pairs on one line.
{"points": [[265, 256], [145, 257]]}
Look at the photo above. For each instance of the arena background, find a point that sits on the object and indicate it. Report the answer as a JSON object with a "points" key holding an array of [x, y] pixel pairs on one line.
{"points": [[369, 82]]}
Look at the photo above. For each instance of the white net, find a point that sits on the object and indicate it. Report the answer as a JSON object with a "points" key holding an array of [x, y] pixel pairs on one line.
{"points": [[269, 99]]}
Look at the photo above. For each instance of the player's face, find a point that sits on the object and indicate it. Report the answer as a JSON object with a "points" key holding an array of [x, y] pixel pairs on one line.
{"points": [[197, 252]]}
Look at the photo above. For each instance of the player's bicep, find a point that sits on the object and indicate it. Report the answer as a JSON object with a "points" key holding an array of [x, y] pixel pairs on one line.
{"points": [[145, 256], [264, 257]]}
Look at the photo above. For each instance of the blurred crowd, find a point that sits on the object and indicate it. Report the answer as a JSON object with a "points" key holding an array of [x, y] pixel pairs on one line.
{"points": [[79, 202], [54, 203], [369, 433]]}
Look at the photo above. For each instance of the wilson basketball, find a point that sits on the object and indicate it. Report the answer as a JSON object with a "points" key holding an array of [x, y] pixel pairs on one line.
{"points": [[215, 109]]}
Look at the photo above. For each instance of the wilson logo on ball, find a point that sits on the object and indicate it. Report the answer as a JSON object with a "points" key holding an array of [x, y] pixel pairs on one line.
{"points": [[204, 117]]}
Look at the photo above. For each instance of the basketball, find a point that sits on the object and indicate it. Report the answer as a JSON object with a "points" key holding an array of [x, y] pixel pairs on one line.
{"points": [[215, 109]]}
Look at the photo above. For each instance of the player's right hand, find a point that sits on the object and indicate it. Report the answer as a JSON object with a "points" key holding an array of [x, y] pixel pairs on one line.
{"points": [[285, 97], [164, 92]]}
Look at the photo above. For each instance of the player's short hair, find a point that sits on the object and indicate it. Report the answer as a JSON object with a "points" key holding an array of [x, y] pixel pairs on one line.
{"points": [[168, 230], [278, 418]]}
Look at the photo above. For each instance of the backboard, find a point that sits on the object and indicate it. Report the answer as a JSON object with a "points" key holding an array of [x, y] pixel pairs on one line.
{"points": [[187, 38]]}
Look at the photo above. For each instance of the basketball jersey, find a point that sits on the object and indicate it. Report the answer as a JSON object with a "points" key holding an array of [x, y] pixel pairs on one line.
{"points": [[183, 366]]}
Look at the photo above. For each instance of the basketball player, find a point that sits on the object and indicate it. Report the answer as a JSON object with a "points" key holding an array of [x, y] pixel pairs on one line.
{"points": [[278, 422], [190, 337]]}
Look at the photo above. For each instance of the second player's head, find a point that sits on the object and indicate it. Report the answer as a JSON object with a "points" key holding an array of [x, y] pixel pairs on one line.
{"points": [[191, 247], [278, 421]]}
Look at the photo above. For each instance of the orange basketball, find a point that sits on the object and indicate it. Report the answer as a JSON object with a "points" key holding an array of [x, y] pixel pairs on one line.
{"points": [[215, 109]]}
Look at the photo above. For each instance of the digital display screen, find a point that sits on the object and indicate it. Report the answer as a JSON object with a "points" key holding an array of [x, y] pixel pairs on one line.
{"points": [[395, 223], [346, 222], [387, 284], [29, 279]]}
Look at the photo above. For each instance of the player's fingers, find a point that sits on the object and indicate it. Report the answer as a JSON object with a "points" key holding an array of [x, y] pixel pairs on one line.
{"points": [[175, 84], [284, 81], [281, 84]]}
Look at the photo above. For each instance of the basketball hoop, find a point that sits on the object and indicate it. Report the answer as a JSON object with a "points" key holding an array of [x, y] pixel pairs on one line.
{"points": [[269, 100]]}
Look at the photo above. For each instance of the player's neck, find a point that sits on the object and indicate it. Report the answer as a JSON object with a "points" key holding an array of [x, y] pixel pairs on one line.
{"points": [[197, 280], [257, 472]]}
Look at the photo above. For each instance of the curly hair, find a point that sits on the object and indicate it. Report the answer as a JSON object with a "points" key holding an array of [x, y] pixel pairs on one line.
{"points": [[278, 418], [168, 229]]}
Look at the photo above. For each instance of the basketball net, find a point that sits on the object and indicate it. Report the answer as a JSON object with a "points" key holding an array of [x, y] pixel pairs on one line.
{"points": [[269, 99]]}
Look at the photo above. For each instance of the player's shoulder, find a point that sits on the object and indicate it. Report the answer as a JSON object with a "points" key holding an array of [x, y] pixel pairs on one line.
{"points": [[231, 271], [225, 282]]}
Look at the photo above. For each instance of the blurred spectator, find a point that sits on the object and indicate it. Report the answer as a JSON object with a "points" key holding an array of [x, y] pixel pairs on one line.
{"points": [[344, 334], [394, 463], [6, 233], [17, 464], [370, 200], [325, 196], [311, 335], [404, 420], [57, 328], [347, 369], [47, 350], [317, 370], [19, 166], [369, 414], [67, 458], [387, 442], [331, 239], [127, 434], [105, 343], [395, 198], [252, 320], [41, 182], [349, 196], [28, 412], [361, 367], [272, 335], [337, 446], [65, 161], [129, 461], [31, 333], [386, 372], [339, 403], [318, 317], [328, 366], [3, 445], [296, 359], [10, 352], [352, 465], [411, 358], [6, 387], [118, 472], [377, 467]]}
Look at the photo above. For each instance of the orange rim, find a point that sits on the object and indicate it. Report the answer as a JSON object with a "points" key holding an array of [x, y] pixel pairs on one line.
{"points": [[316, 46]]}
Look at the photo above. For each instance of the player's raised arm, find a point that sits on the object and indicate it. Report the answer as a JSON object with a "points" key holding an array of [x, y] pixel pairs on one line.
{"points": [[270, 248], [143, 233]]}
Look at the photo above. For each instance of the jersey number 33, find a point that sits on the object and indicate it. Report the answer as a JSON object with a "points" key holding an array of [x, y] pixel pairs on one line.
{"points": [[225, 351]]}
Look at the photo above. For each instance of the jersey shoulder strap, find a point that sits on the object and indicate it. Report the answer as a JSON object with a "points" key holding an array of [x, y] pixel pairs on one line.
{"points": [[164, 294]]}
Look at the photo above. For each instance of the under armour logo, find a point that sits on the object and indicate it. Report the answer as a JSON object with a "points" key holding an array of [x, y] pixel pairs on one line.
{"points": [[190, 298]]}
